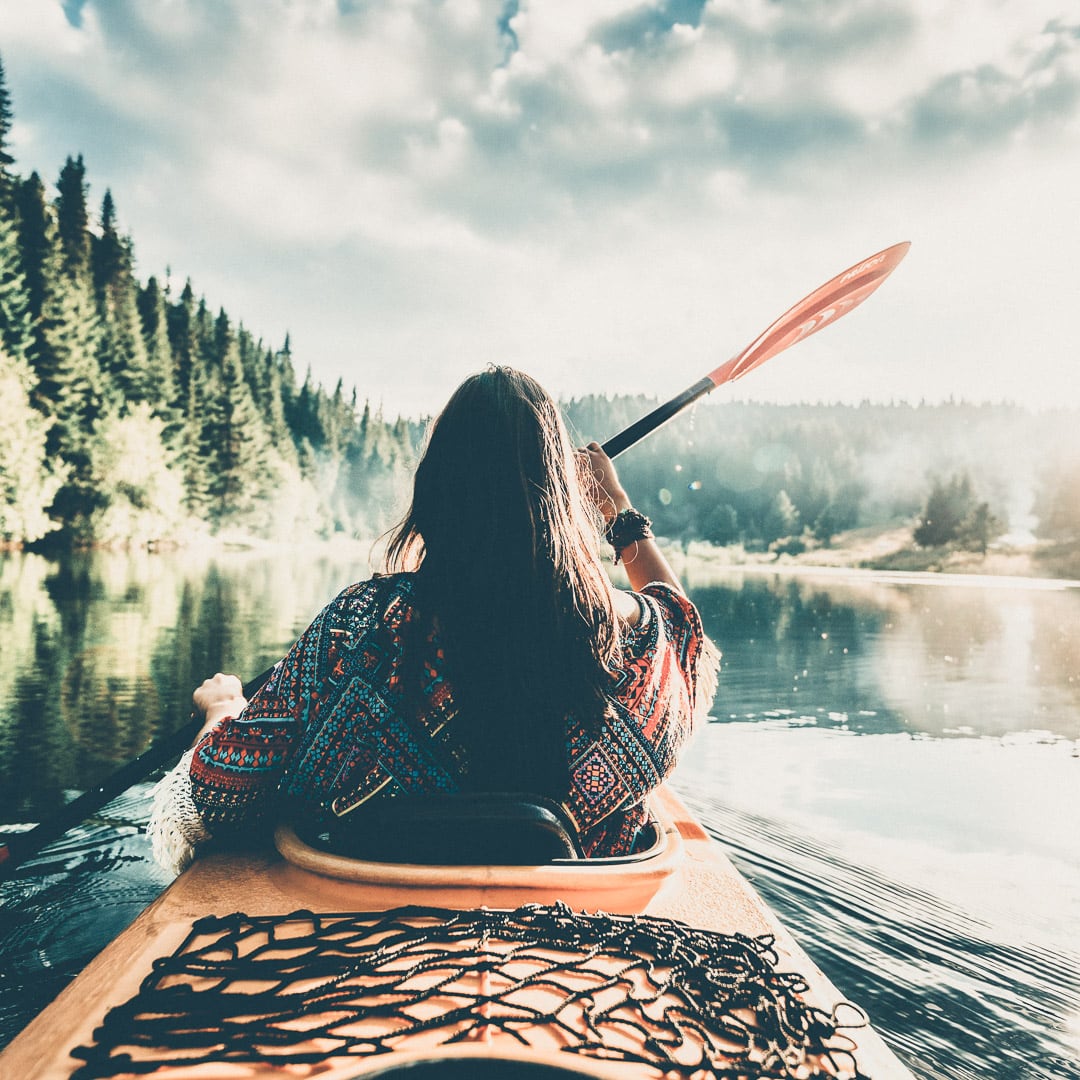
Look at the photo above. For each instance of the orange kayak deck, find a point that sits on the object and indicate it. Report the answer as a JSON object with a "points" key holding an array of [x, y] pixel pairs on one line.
{"points": [[690, 880]]}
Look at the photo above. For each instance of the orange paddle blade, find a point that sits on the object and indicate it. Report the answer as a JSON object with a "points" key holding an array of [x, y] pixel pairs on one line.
{"points": [[824, 305]]}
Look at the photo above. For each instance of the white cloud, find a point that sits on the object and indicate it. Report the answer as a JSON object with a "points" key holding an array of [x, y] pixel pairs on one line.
{"points": [[552, 34], [620, 186]]}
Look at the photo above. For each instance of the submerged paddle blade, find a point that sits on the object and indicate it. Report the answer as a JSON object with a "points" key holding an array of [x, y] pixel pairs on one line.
{"points": [[824, 305]]}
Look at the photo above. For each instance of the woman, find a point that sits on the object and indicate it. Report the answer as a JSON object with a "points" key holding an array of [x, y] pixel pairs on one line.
{"points": [[494, 653]]}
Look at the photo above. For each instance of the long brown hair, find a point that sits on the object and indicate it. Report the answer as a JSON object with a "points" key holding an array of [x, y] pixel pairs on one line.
{"points": [[506, 542]]}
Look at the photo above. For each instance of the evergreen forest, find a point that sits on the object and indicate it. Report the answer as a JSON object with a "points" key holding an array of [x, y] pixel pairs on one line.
{"points": [[132, 412]]}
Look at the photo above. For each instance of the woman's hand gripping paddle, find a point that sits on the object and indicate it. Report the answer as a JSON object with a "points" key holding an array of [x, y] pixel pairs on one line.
{"points": [[823, 306]]}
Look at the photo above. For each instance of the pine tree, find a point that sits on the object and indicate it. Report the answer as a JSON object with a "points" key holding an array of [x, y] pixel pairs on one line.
{"points": [[184, 343], [16, 318], [6, 160], [953, 514], [256, 374], [29, 480], [943, 511], [978, 529], [234, 439], [160, 364], [69, 334], [74, 390], [305, 425], [223, 340], [276, 426], [122, 349], [286, 370], [106, 251], [71, 385], [194, 454], [363, 431], [16, 322], [72, 219], [208, 354], [36, 238]]}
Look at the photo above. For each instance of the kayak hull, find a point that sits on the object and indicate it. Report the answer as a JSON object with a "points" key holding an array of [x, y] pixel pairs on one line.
{"points": [[691, 881]]}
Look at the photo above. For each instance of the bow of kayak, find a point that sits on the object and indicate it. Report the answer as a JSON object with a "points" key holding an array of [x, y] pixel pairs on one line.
{"points": [[494, 984]]}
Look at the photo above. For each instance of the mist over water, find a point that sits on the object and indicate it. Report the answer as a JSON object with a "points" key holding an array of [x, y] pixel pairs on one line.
{"points": [[895, 766]]}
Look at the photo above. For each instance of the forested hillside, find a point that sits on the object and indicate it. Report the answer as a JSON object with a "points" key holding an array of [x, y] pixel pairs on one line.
{"points": [[133, 411]]}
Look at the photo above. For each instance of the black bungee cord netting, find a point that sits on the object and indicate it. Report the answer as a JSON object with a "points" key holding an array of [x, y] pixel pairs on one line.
{"points": [[298, 989]]}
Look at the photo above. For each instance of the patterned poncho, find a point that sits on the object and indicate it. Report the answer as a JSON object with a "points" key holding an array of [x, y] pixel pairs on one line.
{"points": [[329, 729]]}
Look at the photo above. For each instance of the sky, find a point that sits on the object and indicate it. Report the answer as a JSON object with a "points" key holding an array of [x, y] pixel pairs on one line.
{"points": [[614, 196]]}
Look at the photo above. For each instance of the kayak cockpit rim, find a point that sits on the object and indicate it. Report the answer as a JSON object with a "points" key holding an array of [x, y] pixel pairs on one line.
{"points": [[659, 860]]}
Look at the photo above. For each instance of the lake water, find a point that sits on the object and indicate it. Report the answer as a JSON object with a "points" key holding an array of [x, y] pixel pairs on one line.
{"points": [[893, 761]]}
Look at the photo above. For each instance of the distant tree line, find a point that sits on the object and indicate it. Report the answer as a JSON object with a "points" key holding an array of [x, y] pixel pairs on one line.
{"points": [[787, 477], [132, 413]]}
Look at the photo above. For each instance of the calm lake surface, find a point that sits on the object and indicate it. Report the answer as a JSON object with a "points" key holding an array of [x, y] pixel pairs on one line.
{"points": [[893, 761]]}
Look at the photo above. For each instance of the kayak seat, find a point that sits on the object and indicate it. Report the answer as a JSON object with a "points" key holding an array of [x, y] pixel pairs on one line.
{"points": [[474, 828], [454, 850]]}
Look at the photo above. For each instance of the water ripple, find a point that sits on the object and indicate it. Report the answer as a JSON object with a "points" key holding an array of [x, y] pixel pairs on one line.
{"points": [[63, 907], [944, 989]]}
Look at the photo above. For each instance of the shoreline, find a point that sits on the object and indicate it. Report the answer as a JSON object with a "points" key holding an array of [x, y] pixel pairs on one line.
{"points": [[895, 577], [869, 554], [887, 555]]}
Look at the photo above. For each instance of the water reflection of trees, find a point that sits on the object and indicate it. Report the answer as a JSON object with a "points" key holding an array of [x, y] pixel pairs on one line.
{"points": [[1056, 651], [101, 651], [34, 755], [942, 660], [796, 652]]}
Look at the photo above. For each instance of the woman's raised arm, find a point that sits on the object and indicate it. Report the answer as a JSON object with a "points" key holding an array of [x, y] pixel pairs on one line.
{"points": [[642, 558]]}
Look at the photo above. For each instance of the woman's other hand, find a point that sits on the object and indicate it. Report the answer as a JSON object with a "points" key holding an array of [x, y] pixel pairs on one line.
{"points": [[217, 698], [608, 493]]}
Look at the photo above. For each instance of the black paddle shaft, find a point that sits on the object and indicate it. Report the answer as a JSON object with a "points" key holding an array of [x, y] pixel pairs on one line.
{"points": [[21, 846], [660, 415], [17, 848]]}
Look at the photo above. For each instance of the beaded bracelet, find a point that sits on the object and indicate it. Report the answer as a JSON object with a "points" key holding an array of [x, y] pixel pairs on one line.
{"points": [[627, 527]]}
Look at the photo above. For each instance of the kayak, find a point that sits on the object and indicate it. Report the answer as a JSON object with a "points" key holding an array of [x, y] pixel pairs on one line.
{"points": [[297, 961]]}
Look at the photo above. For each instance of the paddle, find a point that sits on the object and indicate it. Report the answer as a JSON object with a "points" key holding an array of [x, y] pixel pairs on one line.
{"points": [[823, 306], [19, 847]]}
